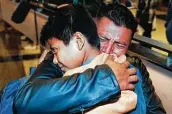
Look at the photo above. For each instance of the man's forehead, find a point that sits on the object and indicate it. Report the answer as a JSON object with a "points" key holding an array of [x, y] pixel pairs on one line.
{"points": [[107, 25], [103, 21], [110, 30]]}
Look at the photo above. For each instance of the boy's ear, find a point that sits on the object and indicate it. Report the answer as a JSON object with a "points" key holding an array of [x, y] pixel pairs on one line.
{"points": [[80, 40]]}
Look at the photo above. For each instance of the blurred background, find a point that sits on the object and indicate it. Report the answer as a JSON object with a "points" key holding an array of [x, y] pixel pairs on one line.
{"points": [[20, 49]]}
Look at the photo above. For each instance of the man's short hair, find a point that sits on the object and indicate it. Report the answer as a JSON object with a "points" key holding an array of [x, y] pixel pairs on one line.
{"points": [[67, 21], [120, 15]]}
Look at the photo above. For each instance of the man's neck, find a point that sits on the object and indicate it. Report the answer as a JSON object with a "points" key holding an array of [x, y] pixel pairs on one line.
{"points": [[90, 55]]}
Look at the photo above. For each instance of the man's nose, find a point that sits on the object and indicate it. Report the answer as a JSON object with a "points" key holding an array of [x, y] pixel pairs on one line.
{"points": [[110, 47]]}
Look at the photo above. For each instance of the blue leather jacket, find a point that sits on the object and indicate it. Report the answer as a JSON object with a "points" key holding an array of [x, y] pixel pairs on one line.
{"points": [[45, 94], [70, 96], [153, 105], [11, 88], [8, 93]]}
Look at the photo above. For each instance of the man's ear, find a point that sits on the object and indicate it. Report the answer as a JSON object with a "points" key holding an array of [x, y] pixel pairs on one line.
{"points": [[80, 40]]}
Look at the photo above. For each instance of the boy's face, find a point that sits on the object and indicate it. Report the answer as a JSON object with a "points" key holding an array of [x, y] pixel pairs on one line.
{"points": [[114, 39], [68, 56]]}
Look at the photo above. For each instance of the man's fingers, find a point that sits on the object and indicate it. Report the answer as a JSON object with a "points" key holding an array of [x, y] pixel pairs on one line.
{"points": [[131, 71], [126, 64], [132, 79], [130, 87]]}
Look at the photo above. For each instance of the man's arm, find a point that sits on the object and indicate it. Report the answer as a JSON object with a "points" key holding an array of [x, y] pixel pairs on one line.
{"points": [[44, 92], [153, 102]]}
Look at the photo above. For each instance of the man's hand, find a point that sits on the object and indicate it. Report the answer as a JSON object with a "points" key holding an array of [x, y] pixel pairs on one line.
{"points": [[125, 76]]}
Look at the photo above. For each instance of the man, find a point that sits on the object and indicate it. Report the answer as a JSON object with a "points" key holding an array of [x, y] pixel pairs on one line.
{"points": [[118, 23], [146, 14]]}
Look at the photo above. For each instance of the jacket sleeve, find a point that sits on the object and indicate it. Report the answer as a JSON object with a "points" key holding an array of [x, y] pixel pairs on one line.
{"points": [[153, 102], [46, 93]]}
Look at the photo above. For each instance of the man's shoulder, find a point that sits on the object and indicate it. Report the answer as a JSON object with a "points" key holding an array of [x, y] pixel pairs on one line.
{"points": [[135, 61]]}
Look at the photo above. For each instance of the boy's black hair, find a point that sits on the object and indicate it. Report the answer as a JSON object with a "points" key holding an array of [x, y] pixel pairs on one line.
{"points": [[67, 21]]}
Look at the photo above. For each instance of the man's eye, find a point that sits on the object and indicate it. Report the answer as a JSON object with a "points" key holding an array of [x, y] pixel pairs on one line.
{"points": [[103, 39], [120, 45]]}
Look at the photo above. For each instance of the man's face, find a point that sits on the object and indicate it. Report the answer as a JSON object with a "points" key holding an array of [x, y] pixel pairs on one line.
{"points": [[114, 39], [68, 56]]}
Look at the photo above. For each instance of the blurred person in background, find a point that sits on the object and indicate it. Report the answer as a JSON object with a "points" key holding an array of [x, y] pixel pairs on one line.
{"points": [[145, 15], [168, 26]]}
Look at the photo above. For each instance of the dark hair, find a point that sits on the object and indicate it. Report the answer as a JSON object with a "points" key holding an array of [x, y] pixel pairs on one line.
{"points": [[94, 6], [120, 15], [66, 22]]}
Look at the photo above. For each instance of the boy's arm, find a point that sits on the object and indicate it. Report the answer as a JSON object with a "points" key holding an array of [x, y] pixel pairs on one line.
{"points": [[45, 92]]}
